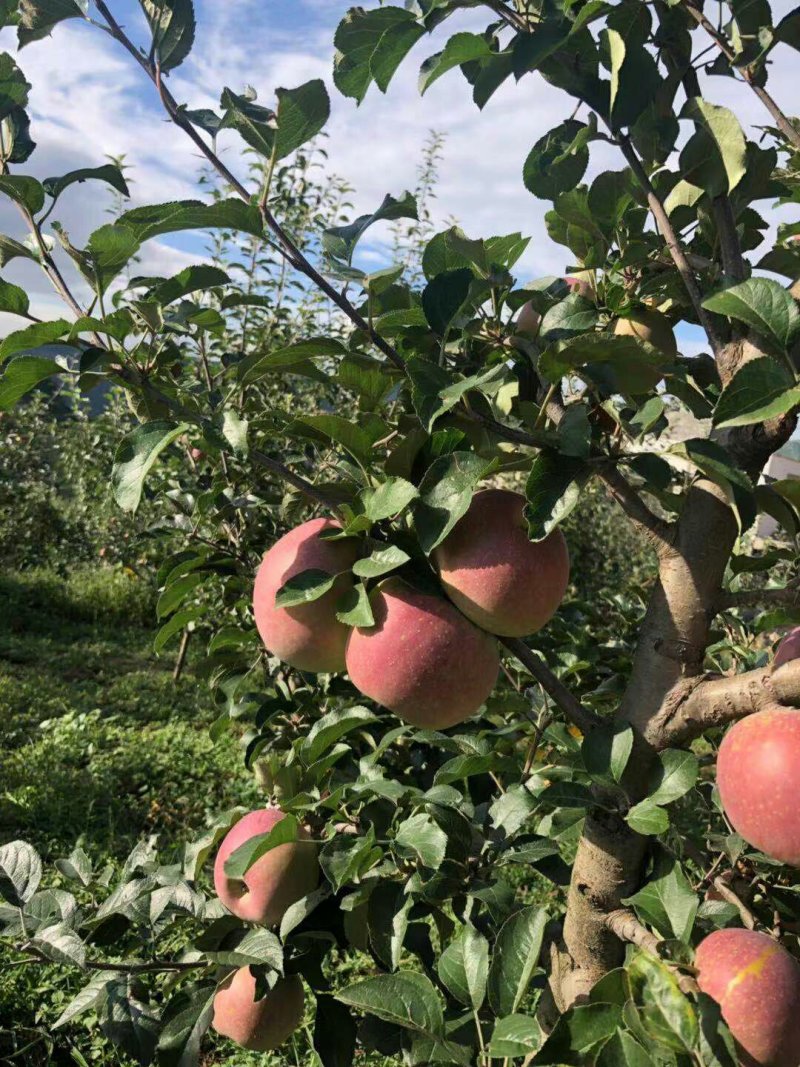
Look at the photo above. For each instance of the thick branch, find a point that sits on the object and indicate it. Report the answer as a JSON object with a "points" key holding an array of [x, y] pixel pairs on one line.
{"points": [[659, 532], [784, 125], [564, 699], [288, 248], [715, 701], [787, 596], [627, 928], [512, 18], [667, 231]]}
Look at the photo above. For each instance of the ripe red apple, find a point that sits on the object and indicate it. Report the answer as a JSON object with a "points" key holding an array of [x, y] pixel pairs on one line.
{"points": [[529, 320], [651, 326], [422, 659], [197, 454], [757, 986], [501, 580], [758, 768], [788, 649], [258, 1025], [307, 636], [276, 881]]}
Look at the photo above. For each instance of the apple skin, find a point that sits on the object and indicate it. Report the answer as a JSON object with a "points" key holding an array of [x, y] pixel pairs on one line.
{"points": [[758, 768], [651, 326], [757, 986], [422, 659], [276, 881], [579, 284], [529, 320], [308, 636], [502, 581], [258, 1025], [788, 649]]}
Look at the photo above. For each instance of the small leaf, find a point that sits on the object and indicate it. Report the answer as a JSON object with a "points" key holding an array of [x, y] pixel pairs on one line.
{"points": [[461, 48], [185, 1020], [420, 836], [304, 587], [763, 304], [464, 967], [389, 499], [370, 46], [621, 1050], [254, 947], [558, 161], [354, 608], [381, 561], [302, 112], [20, 872], [445, 494], [61, 944], [22, 374], [136, 456], [514, 959], [715, 158], [242, 859], [333, 726], [172, 24], [667, 901], [87, 998], [577, 1033], [335, 1033], [607, 749], [109, 173], [515, 1035], [648, 818], [444, 297], [676, 774], [553, 489]]}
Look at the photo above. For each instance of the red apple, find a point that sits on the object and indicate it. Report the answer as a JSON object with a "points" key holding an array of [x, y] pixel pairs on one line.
{"points": [[422, 659], [528, 320], [258, 1025], [307, 636], [758, 770], [581, 285], [276, 881], [788, 649], [500, 579], [757, 986]]}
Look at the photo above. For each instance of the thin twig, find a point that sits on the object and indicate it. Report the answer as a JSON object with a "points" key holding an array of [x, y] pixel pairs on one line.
{"points": [[564, 699], [658, 531], [153, 967], [512, 18], [788, 596]]}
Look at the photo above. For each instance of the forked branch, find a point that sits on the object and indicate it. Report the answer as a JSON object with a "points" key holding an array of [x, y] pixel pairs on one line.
{"points": [[786, 596]]}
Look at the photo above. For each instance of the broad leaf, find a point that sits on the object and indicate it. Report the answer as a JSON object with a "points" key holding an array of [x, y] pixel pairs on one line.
{"points": [[514, 959], [763, 304], [445, 494], [407, 999], [172, 24], [136, 456], [20, 872], [464, 967], [553, 489]]}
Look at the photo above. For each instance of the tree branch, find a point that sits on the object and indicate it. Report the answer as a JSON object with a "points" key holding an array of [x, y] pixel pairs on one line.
{"points": [[788, 596], [667, 231], [709, 701], [784, 125], [288, 248], [585, 720], [659, 532], [627, 927], [153, 967], [512, 18]]}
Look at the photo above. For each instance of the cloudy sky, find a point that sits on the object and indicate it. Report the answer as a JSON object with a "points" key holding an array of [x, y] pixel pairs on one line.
{"points": [[89, 99]]}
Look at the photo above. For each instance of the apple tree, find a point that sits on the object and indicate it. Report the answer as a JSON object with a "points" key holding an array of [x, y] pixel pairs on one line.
{"points": [[504, 797]]}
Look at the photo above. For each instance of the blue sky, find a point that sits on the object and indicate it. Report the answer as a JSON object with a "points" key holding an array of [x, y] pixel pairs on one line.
{"points": [[89, 98]]}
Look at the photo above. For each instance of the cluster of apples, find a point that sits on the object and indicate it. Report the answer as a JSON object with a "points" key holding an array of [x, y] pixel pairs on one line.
{"points": [[433, 660], [274, 882], [755, 981]]}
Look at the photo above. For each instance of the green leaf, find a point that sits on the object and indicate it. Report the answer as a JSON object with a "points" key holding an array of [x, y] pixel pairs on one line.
{"points": [[420, 836], [86, 999], [461, 48], [621, 1050], [339, 242], [176, 593], [667, 901], [234, 430], [60, 944], [11, 249], [406, 999], [445, 494], [20, 872], [108, 252], [380, 562], [342, 431], [666, 1013], [157, 219], [388, 912], [354, 608], [189, 280], [253, 947], [302, 113], [252, 368], [172, 24], [553, 489], [176, 625], [136, 456], [371, 45], [23, 190], [514, 959], [242, 859], [186, 1018], [515, 1035], [675, 775], [34, 336], [78, 867], [606, 751], [715, 158], [22, 374], [13, 300], [569, 317], [109, 173], [577, 1033], [38, 17], [388, 501], [346, 858], [647, 818], [464, 967], [304, 587], [333, 726], [558, 160], [763, 304], [335, 1033], [622, 364]]}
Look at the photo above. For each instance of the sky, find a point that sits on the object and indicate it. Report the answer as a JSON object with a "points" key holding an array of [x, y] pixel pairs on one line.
{"points": [[90, 99]]}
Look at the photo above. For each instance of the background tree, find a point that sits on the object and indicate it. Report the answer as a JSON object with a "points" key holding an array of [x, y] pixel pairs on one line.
{"points": [[595, 774]]}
